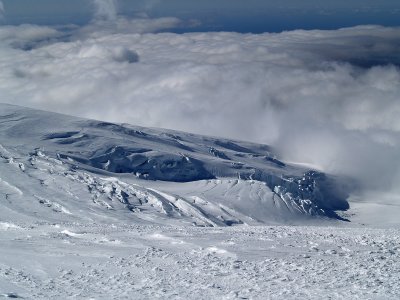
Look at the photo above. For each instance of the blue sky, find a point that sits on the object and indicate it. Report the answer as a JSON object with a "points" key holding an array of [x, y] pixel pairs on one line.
{"points": [[226, 15]]}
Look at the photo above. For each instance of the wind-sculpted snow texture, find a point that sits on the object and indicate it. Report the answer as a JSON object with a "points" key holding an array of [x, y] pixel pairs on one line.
{"points": [[202, 180], [130, 261]]}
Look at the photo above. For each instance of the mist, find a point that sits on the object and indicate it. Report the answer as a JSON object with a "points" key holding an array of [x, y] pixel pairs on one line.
{"points": [[105, 9], [2, 11], [325, 98]]}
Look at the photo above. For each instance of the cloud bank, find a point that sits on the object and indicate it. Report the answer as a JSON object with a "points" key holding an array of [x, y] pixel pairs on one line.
{"points": [[328, 98]]}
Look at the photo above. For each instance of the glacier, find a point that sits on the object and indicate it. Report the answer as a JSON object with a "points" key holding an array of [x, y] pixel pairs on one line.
{"points": [[137, 171], [97, 210]]}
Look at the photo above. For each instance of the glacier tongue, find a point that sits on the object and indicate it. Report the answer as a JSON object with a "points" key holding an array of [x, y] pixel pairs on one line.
{"points": [[56, 167]]}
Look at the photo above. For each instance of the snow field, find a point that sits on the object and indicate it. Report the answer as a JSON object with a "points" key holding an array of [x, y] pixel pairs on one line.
{"points": [[97, 261]]}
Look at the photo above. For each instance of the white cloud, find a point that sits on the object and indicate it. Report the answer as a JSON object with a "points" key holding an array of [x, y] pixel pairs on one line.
{"points": [[2, 11], [105, 9], [26, 36], [123, 26], [330, 98]]}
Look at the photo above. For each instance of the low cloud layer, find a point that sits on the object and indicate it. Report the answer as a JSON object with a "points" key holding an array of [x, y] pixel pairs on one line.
{"points": [[328, 98]]}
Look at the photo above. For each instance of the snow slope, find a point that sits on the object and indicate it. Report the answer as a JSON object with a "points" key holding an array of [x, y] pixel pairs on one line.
{"points": [[94, 210], [55, 166]]}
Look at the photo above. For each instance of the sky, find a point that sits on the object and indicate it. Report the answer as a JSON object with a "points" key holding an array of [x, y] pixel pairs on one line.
{"points": [[329, 98], [228, 15]]}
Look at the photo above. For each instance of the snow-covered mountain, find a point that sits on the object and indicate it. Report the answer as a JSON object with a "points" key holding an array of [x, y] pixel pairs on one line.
{"points": [[94, 210], [60, 167]]}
